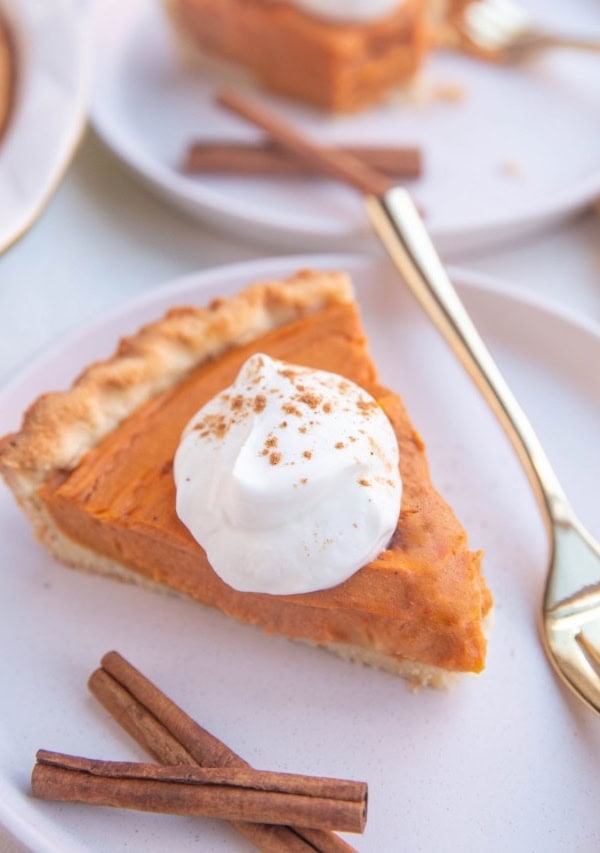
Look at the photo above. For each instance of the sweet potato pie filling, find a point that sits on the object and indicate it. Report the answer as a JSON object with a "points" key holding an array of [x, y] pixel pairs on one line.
{"points": [[423, 598]]}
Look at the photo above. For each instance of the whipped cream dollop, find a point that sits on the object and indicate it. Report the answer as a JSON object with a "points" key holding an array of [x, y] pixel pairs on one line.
{"points": [[288, 479], [348, 10]]}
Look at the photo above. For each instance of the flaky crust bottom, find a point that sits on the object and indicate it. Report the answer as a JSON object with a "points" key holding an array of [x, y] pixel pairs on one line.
{"points": [[76, 556]]}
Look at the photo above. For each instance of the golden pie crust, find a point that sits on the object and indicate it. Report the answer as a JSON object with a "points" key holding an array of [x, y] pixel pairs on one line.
{"points": [[7, 75]]}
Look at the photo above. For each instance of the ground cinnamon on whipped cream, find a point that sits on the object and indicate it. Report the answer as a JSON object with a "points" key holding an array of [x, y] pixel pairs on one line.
{"points": [[288, 479]]}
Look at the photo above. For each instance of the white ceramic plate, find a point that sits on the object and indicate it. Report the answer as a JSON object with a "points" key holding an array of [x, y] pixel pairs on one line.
{"points": [[541, 121], [53, 76], [504, 761]]}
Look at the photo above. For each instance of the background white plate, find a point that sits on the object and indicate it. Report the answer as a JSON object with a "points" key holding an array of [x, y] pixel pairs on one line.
{"points": [[542, 120], [53, 76], [505, 761]]}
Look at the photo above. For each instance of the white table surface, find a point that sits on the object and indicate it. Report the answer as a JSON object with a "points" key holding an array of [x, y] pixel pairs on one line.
{"points": [[105, 238]]}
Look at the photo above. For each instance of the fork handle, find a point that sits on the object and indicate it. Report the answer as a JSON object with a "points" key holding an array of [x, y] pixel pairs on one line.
{"points": [[550, 40], [400, 227]]}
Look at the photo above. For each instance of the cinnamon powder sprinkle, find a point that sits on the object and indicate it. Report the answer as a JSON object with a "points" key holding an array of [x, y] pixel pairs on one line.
{"points": [[237, 403], [283, 425], [340, 445], [307, 454], [327, 408], [309, 399], [290, 409], [215, 425], [304, 481], [271, 442], [365, 406], [260, 402], [302, 429], [363, 482], [275, 458]]}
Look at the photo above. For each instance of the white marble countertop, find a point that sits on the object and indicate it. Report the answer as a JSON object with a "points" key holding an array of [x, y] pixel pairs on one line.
{"points": [[104, 239]]}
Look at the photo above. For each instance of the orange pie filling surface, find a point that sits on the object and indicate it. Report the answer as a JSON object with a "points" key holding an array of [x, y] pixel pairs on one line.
{"points": [[423, 598]]}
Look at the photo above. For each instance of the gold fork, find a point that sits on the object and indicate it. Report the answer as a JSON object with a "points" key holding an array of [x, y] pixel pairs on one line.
{"points": [[572, 597], [503, 30], [571, 603]]}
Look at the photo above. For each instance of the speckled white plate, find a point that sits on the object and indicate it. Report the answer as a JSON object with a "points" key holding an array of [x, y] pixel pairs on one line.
{"points": [[504, 761], [53, 56], [519, 153]]}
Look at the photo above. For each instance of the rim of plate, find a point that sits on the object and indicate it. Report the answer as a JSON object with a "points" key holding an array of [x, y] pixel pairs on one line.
{"points": [[12, 818], [476, 234], [66, 18]]}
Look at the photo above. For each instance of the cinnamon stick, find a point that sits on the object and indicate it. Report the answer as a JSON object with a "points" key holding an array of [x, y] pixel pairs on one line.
{"points": [[269, 159], [339, 165], [226, 793], [168, 734]]}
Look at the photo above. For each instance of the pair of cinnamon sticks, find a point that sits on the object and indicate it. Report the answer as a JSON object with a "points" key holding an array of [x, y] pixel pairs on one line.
{"points": [[200, 775]]}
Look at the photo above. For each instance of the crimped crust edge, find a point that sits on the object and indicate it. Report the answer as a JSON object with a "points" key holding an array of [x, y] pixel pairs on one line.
{"points": [[59, 428]]}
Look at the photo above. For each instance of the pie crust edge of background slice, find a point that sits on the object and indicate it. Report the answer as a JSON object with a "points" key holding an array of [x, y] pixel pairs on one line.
{"points": [[7, 75], [59, 428]]}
